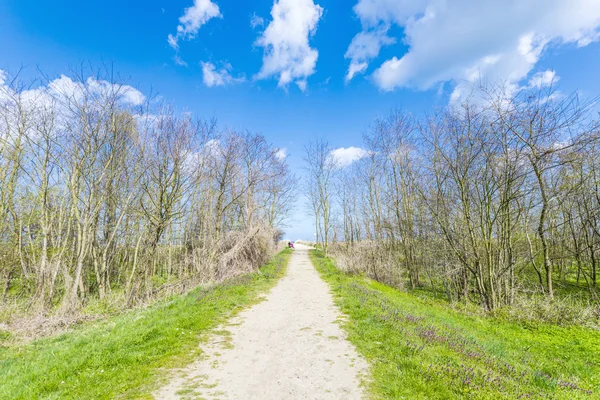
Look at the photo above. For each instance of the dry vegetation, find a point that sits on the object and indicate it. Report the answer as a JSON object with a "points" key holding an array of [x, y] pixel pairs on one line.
{"points": [[493, 201], [107, 203]]}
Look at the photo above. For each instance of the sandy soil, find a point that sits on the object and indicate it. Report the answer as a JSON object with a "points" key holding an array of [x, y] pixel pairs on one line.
{"points": [[289, 346]]}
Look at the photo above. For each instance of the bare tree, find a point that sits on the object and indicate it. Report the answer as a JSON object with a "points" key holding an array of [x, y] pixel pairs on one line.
{"points": [[475, 197], [320, 167], [103, 192]]}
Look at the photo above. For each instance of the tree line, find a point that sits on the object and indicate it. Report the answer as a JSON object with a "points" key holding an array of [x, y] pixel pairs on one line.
{"points": [[104, 190], [491, 197]]}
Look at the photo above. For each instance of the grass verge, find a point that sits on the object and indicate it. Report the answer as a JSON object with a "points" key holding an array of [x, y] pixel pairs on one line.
{"points": [[424, 349], [125, 357]]}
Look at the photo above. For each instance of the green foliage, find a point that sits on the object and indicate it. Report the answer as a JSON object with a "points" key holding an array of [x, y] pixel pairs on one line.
{"points": [[422, 348], [125, 356]]}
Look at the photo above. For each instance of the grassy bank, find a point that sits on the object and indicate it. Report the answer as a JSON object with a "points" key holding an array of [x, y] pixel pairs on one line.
{"points": [[422, 348], [125, 356]]}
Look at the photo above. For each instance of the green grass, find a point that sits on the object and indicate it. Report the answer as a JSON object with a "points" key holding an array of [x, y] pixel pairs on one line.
{"points": [[126, 356], [421, 348]]}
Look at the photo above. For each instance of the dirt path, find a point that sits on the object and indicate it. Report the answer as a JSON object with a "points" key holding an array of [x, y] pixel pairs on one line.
{"points": [[286, 347]]}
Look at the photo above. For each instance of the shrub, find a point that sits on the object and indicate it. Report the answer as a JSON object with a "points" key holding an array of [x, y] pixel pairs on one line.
{"points": [[244, 252], [528, 309], [371, 258]]}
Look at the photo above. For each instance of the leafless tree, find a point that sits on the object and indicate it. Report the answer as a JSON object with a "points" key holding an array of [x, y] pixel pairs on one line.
{"points": [[101, 194]]}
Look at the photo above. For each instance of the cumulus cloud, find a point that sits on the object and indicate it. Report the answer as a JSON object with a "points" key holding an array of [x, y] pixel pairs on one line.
{"points": [[212, 148], [127, 94], [375, 12], [63, 95], [211, 76], [66, 89], [287, 52], [465, 40], [376, 17], [343, 157], [192, 19]]}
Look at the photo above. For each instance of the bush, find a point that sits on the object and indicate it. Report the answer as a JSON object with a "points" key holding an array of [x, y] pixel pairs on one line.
{"points": [[244, 252], [558, 312], [371, 258]]}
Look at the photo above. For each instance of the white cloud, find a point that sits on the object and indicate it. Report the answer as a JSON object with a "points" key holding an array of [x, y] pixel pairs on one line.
{"points": [[287, 52], [281, 154], [256, 21], [364, 47], [376, 16], [179, 61], [172, 40], [126, 94], [63, 96], [213, 148], [192, 19], [343, 157], [356, 68], [134, 96], [543, 79], [466, 40], [302, 84], [64, 89], [218, 77], [374, 12]]}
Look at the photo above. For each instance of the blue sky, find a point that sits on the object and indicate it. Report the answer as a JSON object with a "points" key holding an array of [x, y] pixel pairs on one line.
{"points": [[287, 76]]}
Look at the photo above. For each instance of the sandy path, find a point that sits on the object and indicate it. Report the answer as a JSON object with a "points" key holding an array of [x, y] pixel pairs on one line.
{"points": [[286, 347]]}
